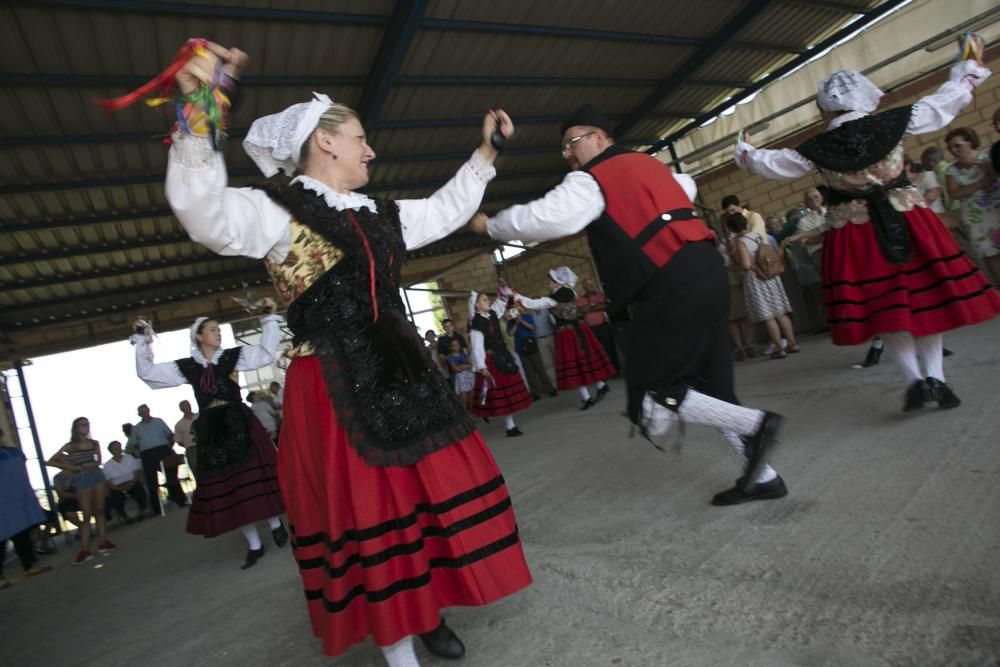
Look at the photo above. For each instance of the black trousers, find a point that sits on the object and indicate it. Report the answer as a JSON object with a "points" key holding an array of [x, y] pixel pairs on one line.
{"points": [[115, 502], [22, 546], [150, 466], [606, 336]]}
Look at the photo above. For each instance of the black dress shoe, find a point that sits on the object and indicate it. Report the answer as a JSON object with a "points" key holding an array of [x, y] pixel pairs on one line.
{"points": [[758, 444], [280, 536], [743, 493], [253, 555], [917, 394], [945, 352], [874, 353], [587, 404], [514, 432], [443, 642], [536, 397], [943, 394], [601, 393], [554, 393]]}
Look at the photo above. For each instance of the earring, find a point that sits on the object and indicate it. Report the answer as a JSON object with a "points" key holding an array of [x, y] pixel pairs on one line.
{"points": [[333, 156]]}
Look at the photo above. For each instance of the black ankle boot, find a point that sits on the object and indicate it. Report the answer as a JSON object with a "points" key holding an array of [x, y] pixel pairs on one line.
{"points": [[943, 394], [253, 555], [874, 353], [443, 642], [917, 394], [280, 535]]}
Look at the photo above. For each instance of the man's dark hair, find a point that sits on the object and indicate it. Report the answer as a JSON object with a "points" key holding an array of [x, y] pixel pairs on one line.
{"points": [[729, 200], [113, 443], [735, 222], [445, 321]]}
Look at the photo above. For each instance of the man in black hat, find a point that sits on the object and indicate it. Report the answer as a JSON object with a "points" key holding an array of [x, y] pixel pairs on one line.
{"points": [[655, 255]]}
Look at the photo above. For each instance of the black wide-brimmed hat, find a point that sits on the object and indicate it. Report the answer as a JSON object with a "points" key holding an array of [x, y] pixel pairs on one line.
{"points": [[587, 116]]}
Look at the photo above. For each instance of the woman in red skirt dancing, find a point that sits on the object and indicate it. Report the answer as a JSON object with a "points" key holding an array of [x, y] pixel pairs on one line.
{"points": [[397, 509], [580, 357], [890, 267], [237, 468], [500, 390]]}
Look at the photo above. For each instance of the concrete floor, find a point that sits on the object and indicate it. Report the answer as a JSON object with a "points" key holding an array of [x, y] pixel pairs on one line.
{"points": [[886, 551]]}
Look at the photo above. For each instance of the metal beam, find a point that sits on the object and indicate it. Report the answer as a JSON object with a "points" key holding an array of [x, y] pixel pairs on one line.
{"points": [[8, 227], [395, 43], [850, 28], [704, 53], [214, 11], [86, 305], [101, 248], [584, 33], [827, 4], [129, 269]]}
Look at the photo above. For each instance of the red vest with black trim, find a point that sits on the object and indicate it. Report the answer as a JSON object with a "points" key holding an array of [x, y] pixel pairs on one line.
{"points": [[647, 218]]}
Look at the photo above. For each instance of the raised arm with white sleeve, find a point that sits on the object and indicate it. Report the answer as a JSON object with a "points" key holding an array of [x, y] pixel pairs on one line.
{"points": [[257, 356]]}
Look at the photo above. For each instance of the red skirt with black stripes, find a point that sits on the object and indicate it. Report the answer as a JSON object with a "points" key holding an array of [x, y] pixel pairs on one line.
{"points": [[938, 290], [382, 549], [505, 394], [580, 358]]}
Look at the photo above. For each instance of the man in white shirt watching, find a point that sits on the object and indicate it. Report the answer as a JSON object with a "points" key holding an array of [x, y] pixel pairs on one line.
{"points": [[184, 436], [122, 476]]}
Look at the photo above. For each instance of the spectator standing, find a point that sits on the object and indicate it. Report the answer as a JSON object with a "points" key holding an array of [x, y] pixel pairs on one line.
{"points": [[460, 367], [765, 295], [972, 182], [81, 457], [265, 412], [755, 223], [19, 511], [154, 441], [522, 328], [545, 330], [122, 477], [739, 329], [593, 305], [184, 436]]}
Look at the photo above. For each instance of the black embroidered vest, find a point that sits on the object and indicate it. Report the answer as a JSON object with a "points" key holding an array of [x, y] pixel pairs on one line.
{"points": [[214, 382], [493, 341], [385, 389]]}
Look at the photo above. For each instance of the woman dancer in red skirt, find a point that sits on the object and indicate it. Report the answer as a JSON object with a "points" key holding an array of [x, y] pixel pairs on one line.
{"points": [[580, 357], [237, 467], [890, 267], [397, 510], [500, 390]]}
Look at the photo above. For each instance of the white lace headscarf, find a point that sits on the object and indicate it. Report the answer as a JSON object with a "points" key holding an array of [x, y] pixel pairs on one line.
{"points": [[274, 142], [847, 90], [564, 276]]}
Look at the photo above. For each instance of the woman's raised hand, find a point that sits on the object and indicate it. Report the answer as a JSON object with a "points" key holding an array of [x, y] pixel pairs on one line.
{"points": [[201, 68], [495, 119]]}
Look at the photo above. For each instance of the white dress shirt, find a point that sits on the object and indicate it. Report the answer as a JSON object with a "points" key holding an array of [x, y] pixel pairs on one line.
{"points": [[245, 221], [563, 211]]}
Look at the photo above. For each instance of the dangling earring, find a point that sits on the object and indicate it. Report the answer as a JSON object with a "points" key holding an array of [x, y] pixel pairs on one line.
{"points": [[333, 156]]}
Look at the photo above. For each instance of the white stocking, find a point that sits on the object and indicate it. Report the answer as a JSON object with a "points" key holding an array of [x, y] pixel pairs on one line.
{"points": [[584, 394], [401, 653], [903, 350], [274, 522], [699, 408], [250, 533], [509, 422], [932, 352]]}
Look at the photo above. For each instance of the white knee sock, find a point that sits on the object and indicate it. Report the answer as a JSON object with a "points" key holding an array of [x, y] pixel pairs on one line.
{"points": [[903, 350], [509, 422], [274, 522], [877, 343], [766, 473], [401, 653], [601, 385], [700, 408], [250, 533], [584, 394], [931, 350]]}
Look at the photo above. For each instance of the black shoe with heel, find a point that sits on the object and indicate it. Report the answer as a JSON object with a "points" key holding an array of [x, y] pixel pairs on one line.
{"points": [[916, 395], [280, 535], [943, 394], [443, 642], [253, 555]]}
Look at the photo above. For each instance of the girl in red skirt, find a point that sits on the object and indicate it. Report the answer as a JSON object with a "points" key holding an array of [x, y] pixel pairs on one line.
{"points": [[580, 357], [397, 510], [890, 267], [237, 467], [500, 390]]}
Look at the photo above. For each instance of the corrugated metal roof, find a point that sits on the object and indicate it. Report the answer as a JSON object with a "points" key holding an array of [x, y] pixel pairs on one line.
{"points": [[86, 236]]}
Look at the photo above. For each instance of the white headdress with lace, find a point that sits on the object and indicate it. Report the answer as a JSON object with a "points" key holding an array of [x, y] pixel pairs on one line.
{"points": [[195, 348], [563, 275], [847, 90], [275, 142]]}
